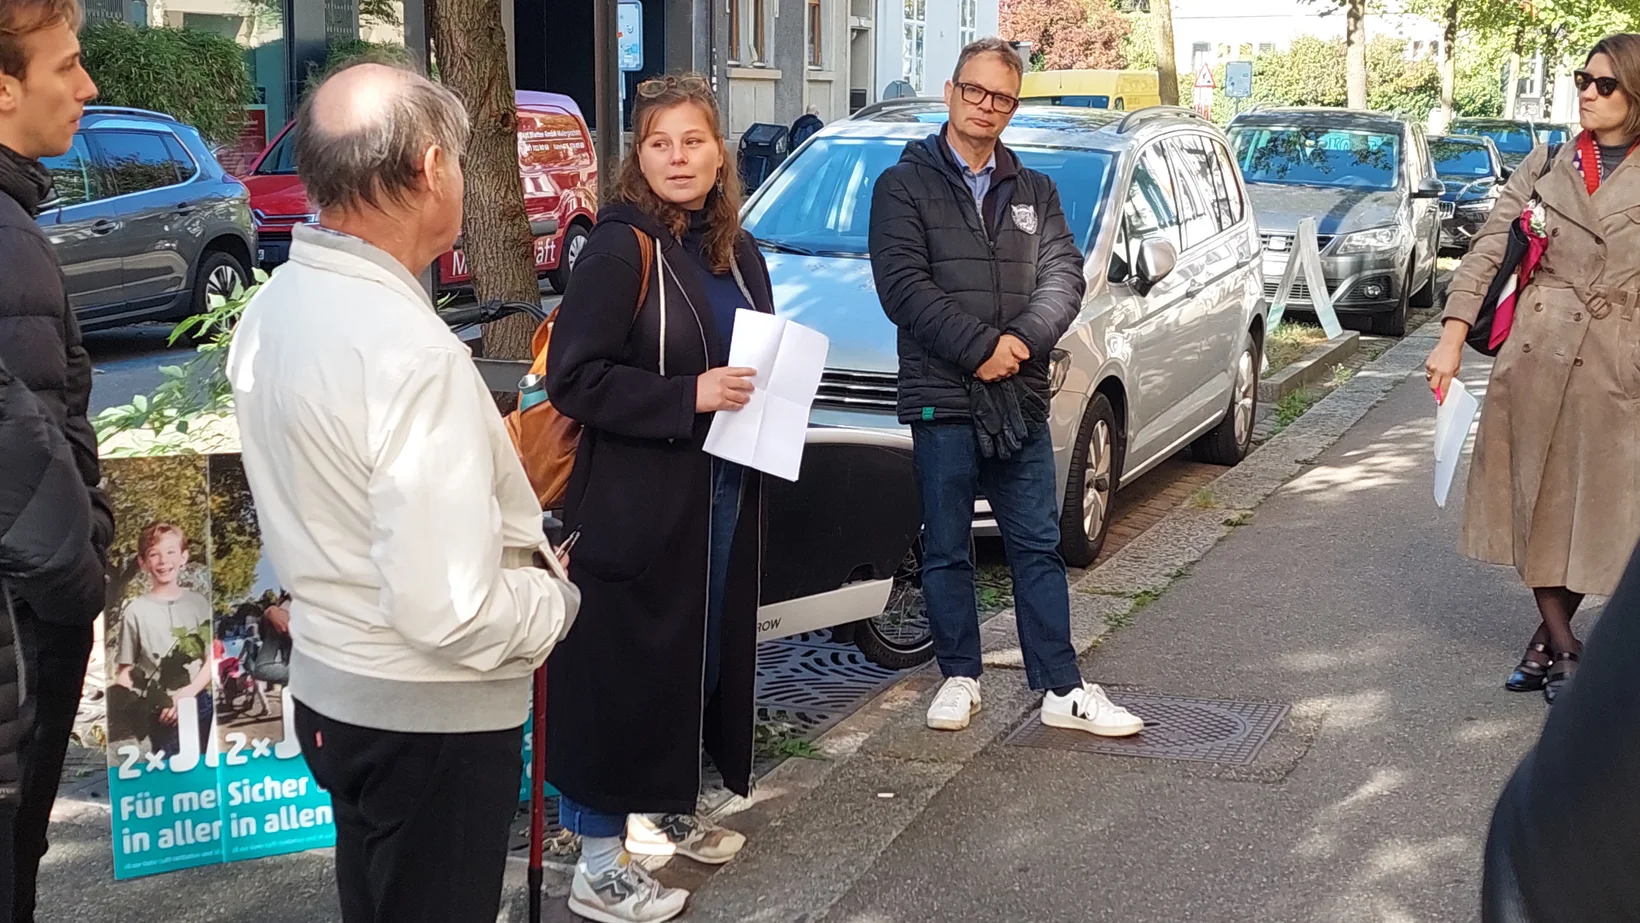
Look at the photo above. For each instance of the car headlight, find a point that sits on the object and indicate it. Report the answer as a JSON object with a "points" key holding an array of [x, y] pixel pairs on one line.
{"points": [[1371, 241], [1059, 368]]}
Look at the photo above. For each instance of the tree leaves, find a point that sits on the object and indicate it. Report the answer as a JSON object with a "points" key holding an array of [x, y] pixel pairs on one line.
{"points": [[197, 76], [1067, 34]]}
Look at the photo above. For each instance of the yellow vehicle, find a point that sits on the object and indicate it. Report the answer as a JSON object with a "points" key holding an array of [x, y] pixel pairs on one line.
{"points": [[1092, 89]]}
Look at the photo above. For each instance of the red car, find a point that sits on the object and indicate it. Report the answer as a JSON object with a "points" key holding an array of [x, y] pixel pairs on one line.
{"points": [[556, 164]]}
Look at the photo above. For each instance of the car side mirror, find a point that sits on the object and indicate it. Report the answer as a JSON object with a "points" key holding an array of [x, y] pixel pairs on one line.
{"points": [[1506, 172], [1157, 258], [1430, 188]]}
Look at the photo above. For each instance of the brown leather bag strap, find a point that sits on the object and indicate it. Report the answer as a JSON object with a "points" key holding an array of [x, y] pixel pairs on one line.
{"points": [[646, 259]]}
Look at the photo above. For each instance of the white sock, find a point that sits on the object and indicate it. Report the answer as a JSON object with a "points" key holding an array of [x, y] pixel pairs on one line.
{"points": [[600, 854]]}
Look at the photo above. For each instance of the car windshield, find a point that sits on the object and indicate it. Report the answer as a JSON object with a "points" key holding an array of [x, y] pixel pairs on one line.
{"points": [[1460, 160], [281, 161], [1319, 157], [820, 204], [1510, 139]]}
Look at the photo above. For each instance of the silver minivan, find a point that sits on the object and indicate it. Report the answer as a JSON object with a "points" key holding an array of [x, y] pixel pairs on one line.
{"points": [[1164, 355]]}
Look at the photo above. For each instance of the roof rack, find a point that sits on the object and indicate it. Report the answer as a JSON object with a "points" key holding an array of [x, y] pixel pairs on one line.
{"points": [[1155, 111], [883, 105], [130, 110]]}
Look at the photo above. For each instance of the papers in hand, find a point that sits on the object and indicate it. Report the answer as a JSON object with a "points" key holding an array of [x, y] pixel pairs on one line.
{"points": [[767, 433], [1452, 423]]}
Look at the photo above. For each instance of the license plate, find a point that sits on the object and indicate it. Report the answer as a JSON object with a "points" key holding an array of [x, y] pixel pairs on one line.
{"points": [[261, 254]]}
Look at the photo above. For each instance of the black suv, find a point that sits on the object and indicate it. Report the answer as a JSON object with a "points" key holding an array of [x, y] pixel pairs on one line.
{"points": [[1369, 181], [146, 223]]}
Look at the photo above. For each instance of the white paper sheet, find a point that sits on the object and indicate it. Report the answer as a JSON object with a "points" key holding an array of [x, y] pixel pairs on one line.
{"points": [[767, 433], [1452, 424]]}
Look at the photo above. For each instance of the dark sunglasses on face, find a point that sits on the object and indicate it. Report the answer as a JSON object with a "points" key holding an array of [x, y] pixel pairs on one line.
{"points": [[973, 94], [1605, 86]]}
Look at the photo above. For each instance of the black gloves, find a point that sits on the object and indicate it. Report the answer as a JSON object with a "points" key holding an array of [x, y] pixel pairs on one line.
{"points": [[1006, 413]]}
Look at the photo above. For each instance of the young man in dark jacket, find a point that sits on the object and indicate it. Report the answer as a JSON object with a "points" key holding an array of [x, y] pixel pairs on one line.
{"points": [[43, 91], [976, 266], [46, 559]]}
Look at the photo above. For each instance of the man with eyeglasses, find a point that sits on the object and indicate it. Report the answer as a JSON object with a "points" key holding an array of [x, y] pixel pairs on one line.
{"points": [[975, 264]]}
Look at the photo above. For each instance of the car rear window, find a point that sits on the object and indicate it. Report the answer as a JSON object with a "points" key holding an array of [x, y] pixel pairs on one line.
{"points": [[1458, 159], [1318, 156], [1085, 102], [821, 201]]}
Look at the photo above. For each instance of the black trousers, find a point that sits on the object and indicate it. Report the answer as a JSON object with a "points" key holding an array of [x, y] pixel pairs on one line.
{"points": [[422, 820], [56, 657]]}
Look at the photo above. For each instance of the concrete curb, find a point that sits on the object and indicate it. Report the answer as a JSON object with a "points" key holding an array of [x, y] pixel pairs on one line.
{"points": [[1312, 367], [817, 826]]}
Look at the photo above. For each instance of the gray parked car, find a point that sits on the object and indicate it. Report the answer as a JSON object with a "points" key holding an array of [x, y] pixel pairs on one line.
{"points": [[144, 220], [1369, 181], [1164, 355]]}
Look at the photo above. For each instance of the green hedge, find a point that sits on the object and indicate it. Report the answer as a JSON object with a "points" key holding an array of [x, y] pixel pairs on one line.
{"points": [[196, 76]]}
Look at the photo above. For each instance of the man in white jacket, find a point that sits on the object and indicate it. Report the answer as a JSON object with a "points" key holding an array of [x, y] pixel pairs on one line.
{"points": [[395, 512]]}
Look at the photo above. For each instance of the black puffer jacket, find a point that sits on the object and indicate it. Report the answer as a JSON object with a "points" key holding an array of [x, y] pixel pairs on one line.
{"points": [[954, 284], [46, 555], [39, 337]]}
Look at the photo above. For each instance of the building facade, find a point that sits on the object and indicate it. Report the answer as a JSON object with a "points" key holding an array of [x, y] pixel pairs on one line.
{"points": [[918, 40], [1213, 32]]}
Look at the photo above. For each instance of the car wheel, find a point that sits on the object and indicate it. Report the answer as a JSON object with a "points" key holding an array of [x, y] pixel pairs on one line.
{"points": [[901, 637], [1096, 465], [1230, 441], [575, 241], [218, 274], [1394, 324]]}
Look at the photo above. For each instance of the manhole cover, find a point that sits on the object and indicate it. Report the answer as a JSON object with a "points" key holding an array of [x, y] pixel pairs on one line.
{"points": [[1176, 728]]}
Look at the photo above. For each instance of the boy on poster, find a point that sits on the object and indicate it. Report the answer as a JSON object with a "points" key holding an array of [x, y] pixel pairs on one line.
{"points": [[158, 633]]}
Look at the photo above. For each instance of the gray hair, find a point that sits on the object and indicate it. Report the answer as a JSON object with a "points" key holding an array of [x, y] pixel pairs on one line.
{"points": [[376, 151], [990, 45]]}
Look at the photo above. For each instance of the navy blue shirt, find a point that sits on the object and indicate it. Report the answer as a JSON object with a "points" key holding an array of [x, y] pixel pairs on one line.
{"points": [[722, 291]]}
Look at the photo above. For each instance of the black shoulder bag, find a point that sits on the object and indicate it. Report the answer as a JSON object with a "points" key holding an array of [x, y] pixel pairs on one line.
{"points": [[1480, 332]]}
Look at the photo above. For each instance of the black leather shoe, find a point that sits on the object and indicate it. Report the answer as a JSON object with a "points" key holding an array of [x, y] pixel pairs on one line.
{"points": [[1560, 673], [1530, 675]]}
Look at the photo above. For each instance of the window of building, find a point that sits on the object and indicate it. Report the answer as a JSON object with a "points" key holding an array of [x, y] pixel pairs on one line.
{"points": [[1200, 53], [916, 32], [816, 30], [749, 31], [968, 21], [1245, 51], [1266, 47]]}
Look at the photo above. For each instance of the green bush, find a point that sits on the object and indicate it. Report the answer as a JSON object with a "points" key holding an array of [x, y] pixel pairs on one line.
{"points": [[196, 76]]}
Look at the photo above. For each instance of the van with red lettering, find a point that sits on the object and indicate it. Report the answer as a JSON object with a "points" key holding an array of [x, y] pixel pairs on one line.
{"points": [[556, 165]]}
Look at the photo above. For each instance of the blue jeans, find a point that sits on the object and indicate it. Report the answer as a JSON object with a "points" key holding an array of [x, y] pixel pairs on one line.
{"points": [[1024, 497], [727, 480]]}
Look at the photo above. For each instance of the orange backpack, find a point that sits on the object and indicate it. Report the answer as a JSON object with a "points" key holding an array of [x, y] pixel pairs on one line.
{"points": [[544, 438]]}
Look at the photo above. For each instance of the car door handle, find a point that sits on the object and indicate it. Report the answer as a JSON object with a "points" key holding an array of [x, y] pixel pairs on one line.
{"points": [[1194, 289], [185, 209], [103, 226]]}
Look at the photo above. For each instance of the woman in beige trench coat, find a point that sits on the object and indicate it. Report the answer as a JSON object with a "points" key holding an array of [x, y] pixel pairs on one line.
{"points": [[1555, 485]]}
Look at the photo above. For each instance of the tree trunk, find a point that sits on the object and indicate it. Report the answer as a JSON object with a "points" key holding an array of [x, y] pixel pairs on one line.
{"points": [[1511, 90], [1167, 69], [1449, 63], [1355, 56], [472, 55], [1551, 73]]}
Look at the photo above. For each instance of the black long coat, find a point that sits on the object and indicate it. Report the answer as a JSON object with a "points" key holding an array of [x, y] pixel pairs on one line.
{"points": [[625, 714]]}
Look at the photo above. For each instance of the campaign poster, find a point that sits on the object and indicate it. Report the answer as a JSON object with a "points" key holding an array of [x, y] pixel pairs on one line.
{"points": [[203, 764]]}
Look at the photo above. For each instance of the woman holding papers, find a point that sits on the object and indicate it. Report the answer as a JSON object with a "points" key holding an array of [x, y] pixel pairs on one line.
{"points": [[663, 658], [1555, 485]]}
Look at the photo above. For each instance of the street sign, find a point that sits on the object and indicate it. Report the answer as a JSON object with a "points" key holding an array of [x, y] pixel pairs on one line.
{"points": [[1204, 77], [629, 35], [1238, 79]]}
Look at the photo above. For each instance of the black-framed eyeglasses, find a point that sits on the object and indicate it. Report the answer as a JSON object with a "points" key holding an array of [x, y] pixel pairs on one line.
{"points": [[973, 94], [1605, 86], [688, 83]]}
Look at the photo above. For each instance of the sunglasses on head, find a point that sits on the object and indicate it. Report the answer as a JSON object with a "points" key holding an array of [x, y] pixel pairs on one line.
{"points": [[655, 86], [1605, 86], [973, 94]]}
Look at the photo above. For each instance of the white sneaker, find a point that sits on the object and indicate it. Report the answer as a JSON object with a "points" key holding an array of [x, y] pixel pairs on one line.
{"points": [[957, 702], [624, 894], [1089, 709], [681, 835]]}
